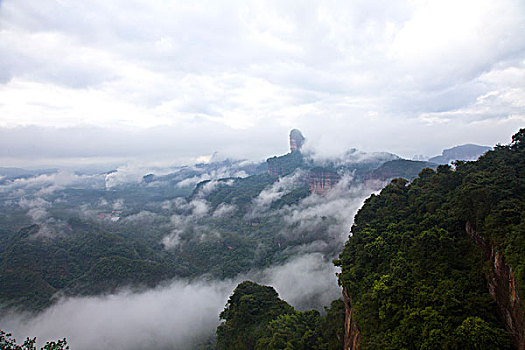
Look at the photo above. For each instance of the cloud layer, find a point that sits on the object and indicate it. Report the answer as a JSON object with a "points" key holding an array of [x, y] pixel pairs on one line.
{"points": [[178, 315], [124, 80]]}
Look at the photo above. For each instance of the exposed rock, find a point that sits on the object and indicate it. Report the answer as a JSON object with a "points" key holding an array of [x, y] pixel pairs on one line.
{"points": [[296, 140], [352, 334], [502, 287], [322, 180]]}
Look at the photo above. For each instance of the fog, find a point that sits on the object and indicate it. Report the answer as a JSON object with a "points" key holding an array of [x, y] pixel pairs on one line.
{"points": [[109, 91], [177, 315]]}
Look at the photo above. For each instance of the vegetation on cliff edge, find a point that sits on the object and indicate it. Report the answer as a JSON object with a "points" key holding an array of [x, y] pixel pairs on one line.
{"points": [[415, 279]]}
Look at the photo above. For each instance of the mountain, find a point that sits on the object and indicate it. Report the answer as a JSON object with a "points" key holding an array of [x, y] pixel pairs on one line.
{"points": [[407, 169], [463, 152], [256, 318], [66, 234], [439, 262]]}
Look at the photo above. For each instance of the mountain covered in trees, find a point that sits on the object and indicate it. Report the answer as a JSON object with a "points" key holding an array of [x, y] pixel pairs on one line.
{"points": [[414, 270], [436, 263], [463, 152], [86, 234], [439, 262], [256, 318]]}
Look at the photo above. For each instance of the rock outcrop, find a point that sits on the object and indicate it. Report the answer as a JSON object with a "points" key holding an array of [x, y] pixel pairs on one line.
{"points": [[321, 180], [296, 140], [352, 335], [503, 288]]}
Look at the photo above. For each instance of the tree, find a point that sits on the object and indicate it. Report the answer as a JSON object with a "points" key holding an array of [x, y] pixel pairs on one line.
{"points": [[248, 311], [9, 343], [518, 140]]}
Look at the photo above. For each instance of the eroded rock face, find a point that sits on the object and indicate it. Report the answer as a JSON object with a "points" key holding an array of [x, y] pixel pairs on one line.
{"points": [[321, 181], [296, 140], [502, 287], [352, 334]]}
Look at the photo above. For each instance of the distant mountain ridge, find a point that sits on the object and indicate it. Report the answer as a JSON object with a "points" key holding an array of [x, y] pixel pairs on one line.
{"points": [[462, 152], [144, 229]]}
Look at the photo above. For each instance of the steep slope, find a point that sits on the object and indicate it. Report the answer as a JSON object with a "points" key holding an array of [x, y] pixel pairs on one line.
{"points": [[439, 263], [256, 318]]}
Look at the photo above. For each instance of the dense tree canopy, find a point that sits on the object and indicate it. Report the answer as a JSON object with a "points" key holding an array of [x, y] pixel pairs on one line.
{"points": [[9, 343], [415, 278], [255, 318]]}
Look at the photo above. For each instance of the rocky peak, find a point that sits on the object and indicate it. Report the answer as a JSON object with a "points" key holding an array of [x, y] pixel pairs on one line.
{"points": [[296, 140]]}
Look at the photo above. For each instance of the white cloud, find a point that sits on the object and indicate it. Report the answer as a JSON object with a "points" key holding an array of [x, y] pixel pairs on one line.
{"points": [[174, 316], [276, 190], [224, 209], [373, 72]]}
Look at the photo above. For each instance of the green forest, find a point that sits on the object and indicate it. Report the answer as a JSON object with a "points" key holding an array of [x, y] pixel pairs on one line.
{"points": [[256, 318], [416, 267], [415, 276]]}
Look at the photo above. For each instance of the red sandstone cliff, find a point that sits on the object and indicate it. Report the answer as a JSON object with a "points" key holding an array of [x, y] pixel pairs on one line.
{"points": [[321, 181], [352, 334], [502, 287]]}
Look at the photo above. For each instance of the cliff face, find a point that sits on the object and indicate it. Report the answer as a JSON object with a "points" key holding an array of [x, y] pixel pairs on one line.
{"points": [[352, 334], [321, 181], [503, 288]]}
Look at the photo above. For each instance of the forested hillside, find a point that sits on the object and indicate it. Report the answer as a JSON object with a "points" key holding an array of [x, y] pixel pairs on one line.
{"points": [[439, 263], [255, 318], [89, 234], [409, 264]]}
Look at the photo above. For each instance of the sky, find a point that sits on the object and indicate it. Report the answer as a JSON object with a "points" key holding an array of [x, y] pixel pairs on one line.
{"points": [[171, 82]]}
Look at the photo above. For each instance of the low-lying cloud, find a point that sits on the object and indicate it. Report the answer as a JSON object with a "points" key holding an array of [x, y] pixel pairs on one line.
{"points": [[178, 315]]}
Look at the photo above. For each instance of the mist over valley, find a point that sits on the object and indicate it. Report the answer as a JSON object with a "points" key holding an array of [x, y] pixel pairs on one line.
{"points": [[109, 255], [247, 175]]}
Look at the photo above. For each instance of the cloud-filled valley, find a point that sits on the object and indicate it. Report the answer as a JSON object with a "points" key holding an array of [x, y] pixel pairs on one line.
{"points": [[137, 182], [281, 235], [180, 314]]}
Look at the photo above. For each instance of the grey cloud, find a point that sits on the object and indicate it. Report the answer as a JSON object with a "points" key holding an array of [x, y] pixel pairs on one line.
{"points": [[49, 183], [212, 177], [268, 67], [37, 210], [142, 218], [175, 316], [305, 282], [175, 146], [338, 206]]}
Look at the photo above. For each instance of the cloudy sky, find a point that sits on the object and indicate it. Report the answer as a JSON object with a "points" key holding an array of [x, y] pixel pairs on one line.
{"points": [[169, 81]]}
